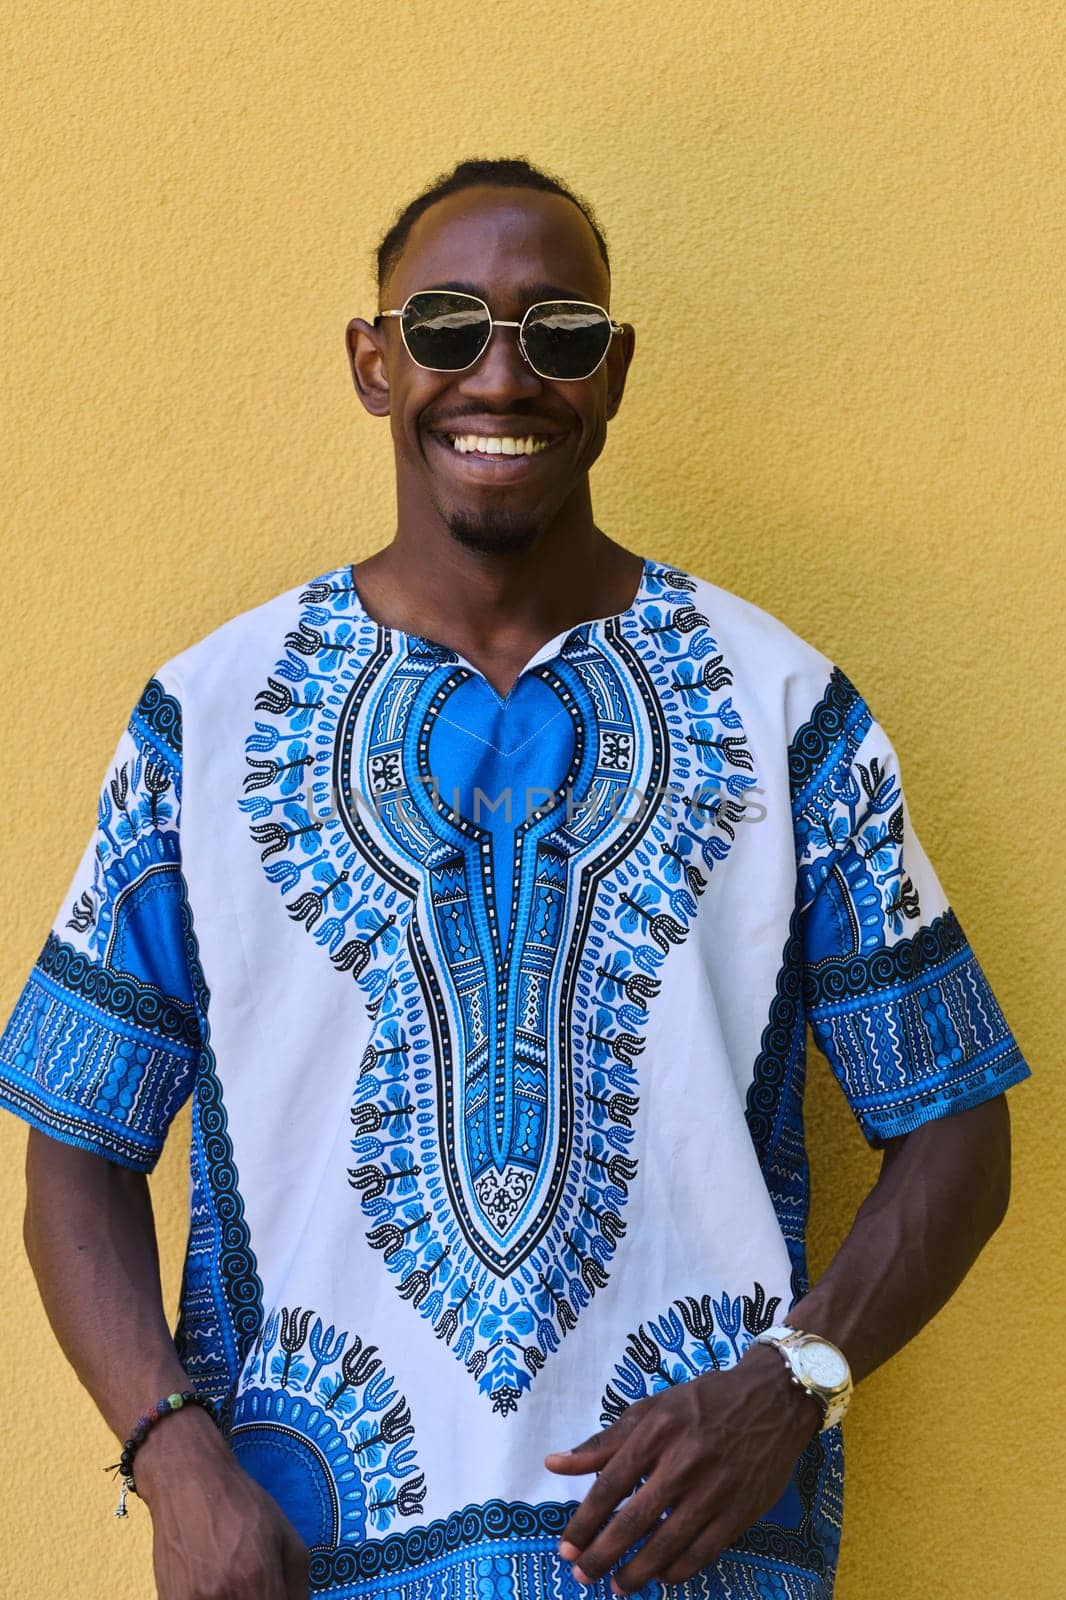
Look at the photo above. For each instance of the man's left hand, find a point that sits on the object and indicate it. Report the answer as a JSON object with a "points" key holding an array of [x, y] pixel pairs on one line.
{"points": [[714, 1452]]}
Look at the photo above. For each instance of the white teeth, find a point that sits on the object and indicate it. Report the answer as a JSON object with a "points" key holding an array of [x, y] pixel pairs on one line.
{"points": [[497, 445]]}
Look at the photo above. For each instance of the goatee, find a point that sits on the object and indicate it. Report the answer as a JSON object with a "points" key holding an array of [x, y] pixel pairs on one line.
{"points": [[493, 532]]}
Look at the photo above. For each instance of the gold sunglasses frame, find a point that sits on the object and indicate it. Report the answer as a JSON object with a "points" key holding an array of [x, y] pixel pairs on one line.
{"points": [[502, 322]]}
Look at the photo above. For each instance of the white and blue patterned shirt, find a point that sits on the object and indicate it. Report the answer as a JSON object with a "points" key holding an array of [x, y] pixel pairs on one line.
{"points": [[492, 1015]]}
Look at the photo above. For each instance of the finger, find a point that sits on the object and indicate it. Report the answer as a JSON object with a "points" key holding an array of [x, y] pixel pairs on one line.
{"points": [[615, 1483], [703, 1552], [667, 1546], [594, 1452], [632, 1522]]}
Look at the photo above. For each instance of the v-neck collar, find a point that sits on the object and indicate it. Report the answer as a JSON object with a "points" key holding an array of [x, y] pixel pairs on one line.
{"points": [[548, 651]]}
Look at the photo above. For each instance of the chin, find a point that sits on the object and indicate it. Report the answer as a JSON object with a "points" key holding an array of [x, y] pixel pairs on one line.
{"points": [[494, 532]]}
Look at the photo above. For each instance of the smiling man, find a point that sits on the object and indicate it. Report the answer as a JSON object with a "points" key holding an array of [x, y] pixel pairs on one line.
{"points": [[480, 894], [495, 547]]}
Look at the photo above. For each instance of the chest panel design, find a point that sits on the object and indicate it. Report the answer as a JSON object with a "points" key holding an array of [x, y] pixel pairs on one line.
{"points": [[504, 881]]}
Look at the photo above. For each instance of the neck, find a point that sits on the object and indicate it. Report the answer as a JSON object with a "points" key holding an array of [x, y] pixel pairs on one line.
{"points": [[426, 581]]}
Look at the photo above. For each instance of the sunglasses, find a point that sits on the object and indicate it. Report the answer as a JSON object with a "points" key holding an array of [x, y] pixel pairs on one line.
{"points": [[446, 331]]}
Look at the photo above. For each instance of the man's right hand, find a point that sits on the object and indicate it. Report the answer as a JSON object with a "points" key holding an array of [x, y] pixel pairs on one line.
{"points": [[217, 1535], [90, 1236]]}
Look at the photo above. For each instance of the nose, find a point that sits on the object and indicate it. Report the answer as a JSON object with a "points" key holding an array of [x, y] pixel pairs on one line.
{"points": [[501, 373]]}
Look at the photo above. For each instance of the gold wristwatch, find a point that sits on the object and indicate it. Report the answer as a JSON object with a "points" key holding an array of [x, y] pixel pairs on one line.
{"points": [[816, 1365]]}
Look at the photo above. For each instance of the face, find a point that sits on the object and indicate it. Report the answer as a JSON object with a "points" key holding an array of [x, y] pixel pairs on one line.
{"points": [[512, 247]]}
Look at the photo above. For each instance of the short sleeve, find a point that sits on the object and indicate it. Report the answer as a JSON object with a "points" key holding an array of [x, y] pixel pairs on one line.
{"points": [[893, 992], [101, 1048]]}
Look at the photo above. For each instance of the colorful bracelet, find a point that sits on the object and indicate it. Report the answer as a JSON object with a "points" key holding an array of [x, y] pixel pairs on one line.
{"points": [[162, 1408]]}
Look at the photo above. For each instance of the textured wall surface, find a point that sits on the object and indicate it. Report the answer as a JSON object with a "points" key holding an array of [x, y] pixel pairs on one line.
{"points": [[838, 228]]}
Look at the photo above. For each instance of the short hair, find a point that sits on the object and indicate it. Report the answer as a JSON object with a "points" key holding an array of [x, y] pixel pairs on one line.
{"points": [[516, 173]]}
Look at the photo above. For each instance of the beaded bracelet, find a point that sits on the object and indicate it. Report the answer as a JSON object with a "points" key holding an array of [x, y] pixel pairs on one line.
{"points": [[162, 1408]]}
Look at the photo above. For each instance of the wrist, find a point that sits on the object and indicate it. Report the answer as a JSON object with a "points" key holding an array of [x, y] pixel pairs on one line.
{"points": [[815, 1365], [185, 1444], [802, 1409]]}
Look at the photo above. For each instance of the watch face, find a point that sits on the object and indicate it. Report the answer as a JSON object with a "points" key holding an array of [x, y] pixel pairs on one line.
{"points": [[820, 1364]]}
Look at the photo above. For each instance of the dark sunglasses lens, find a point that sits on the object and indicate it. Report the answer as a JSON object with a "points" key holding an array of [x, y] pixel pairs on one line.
{"points": [[567, 340], [444, 330]]}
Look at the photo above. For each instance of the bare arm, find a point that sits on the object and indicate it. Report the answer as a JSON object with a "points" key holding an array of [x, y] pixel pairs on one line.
{"points": [[942, 1192], [718, 1451], [90, 1237]]}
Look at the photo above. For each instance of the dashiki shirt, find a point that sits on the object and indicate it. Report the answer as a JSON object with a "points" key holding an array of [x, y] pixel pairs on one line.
{"points": [[492, 1016]]}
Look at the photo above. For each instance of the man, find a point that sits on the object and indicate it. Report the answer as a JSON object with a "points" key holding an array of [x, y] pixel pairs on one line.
{"points": [[479, 894]]}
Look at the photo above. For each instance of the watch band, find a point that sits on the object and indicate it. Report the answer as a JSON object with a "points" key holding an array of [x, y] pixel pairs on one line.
{"points": [[833, 1398]]}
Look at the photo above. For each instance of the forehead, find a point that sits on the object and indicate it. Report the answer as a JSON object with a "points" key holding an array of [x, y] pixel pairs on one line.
{"points": [[503, 240]]}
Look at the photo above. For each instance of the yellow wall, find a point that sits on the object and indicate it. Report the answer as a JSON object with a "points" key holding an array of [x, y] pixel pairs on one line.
{"points": [[838, 228]]}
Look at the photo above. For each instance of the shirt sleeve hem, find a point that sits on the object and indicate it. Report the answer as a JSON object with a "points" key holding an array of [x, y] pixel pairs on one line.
{"points": [[70, 1129], [945, 1101]]}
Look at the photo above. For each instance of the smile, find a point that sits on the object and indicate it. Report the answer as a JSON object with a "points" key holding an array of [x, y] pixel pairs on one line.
{"points": [[503, 445], [500, 455]]}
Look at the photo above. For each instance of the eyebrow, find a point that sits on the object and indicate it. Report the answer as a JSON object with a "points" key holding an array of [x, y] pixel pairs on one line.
{"points": [[531, 291]]}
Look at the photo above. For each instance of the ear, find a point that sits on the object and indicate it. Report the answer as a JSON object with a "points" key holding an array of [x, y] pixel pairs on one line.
{"points": [[366, 357], [618, 358]]}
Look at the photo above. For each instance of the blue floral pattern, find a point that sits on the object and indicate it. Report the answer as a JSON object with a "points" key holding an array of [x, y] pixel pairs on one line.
{"points": [[495, 1104], [318, 1422]]}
